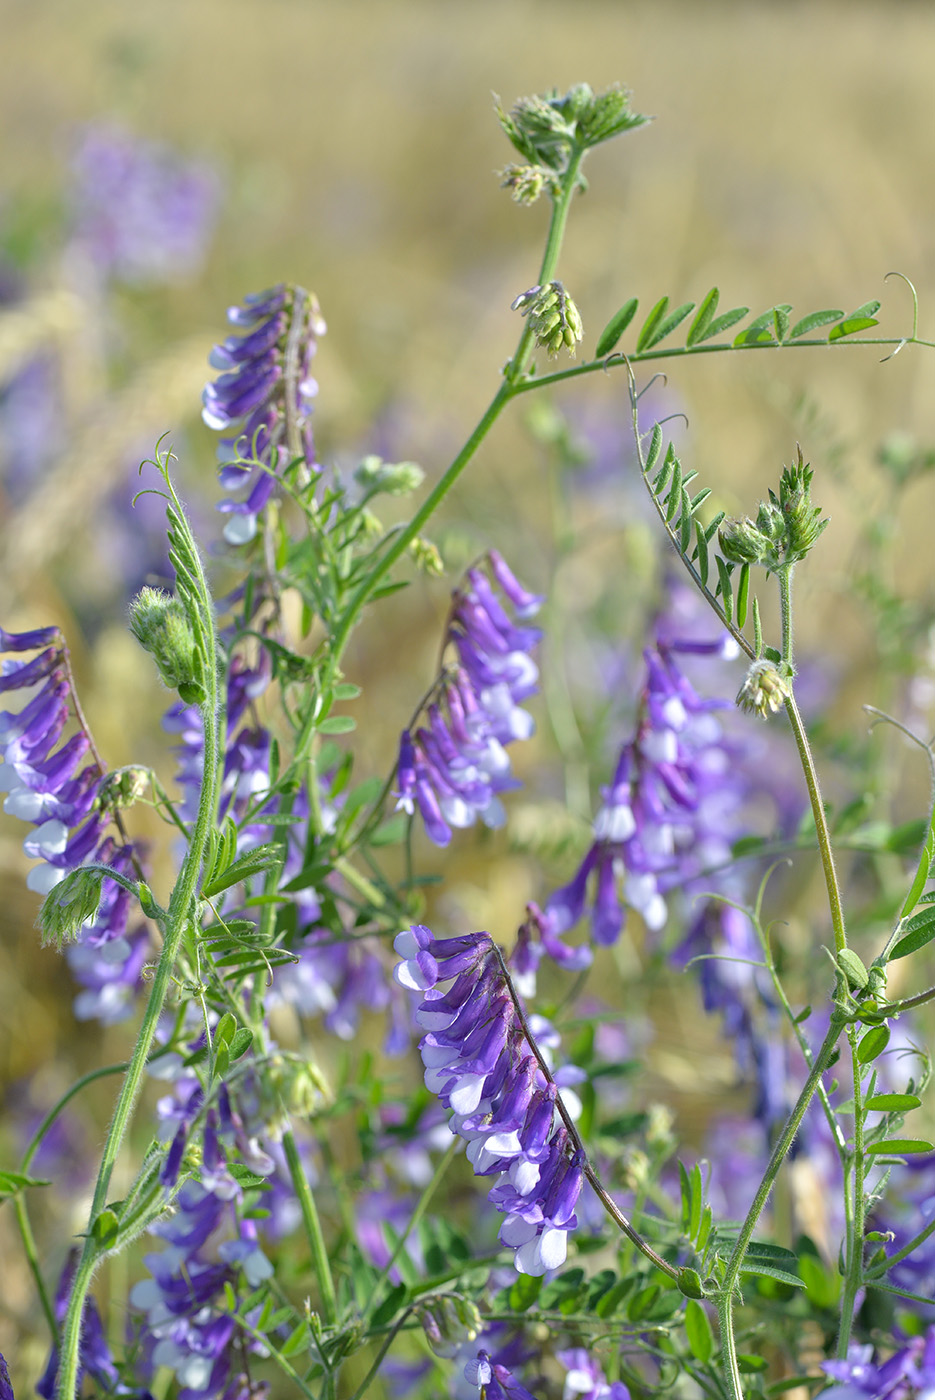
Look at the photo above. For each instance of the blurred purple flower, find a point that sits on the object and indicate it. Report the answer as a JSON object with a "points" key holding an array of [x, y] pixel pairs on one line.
{"points": [[140, 212]]}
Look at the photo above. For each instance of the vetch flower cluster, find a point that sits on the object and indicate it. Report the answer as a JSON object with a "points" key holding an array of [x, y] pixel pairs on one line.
{"points": [[479, 1061], [670, 810], [454, 766], [47, 785], [263, 399]]}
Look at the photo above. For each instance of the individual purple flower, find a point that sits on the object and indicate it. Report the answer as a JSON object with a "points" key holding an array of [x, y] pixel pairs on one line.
{"points": [[140, 212], [907, 1374], [494, 1382], [6, 1387], [455, 766], [670, 811], [480, 1064], [49, 784], [585, 1379], [263, 399]]}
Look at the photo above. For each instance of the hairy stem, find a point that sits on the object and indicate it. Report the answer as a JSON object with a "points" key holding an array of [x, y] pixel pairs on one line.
{"points": [[313, 1230]]}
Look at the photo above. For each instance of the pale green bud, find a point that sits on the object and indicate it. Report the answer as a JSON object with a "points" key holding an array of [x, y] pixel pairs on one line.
{"points": [[449, 1321], [741, 541], [392, 478], [121, 788], [553, 317], [764, 689], [427, 557], [161, 625], [526, 182]]}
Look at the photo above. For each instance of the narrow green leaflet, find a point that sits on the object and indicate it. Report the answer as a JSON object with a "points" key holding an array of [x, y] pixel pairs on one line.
{"points": [[698, 329], [769, 1271], [698, 1332], [615, 328], [813, 321], [250, 863], [902, 1147], [919, 930], [664, 326], [860, 320], [873, 1044], [892, 1103]]}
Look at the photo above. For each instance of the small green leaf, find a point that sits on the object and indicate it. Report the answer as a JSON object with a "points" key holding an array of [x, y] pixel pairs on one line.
{"points": [[655, 447], [760, 330], [686, 1188], [743, 593], [703, 318], [698, 1332], [390, 832], [902, 1147], [346, 690], [860, 320], [615, 328], [812, 321], [337, 724], [919, 930], [722, 323], [768, 1271], [524, 1291], [675, 492], [781, 322], [666, 326], [224, 1030], [892, 1103], [650, 324], [701, 553], [853, 969], [106, 1228], [263, 857], [689, 1283], [241, 1043], [11, 1182], [873, 1044], [748, 1364]]}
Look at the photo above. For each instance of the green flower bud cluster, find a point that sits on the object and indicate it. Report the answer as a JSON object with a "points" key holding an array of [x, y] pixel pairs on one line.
{"points": [[121, 788], [427, 556], [162, 626], [392, 478], [71, 904], [547, 129], [449, 1321], [765, 689], [526, 182], [785, 528], [553, 317]]}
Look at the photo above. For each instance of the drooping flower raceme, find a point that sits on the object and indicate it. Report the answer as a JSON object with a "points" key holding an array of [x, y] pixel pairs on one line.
{"points": [[481, 1065], [263, 398], [47, 786], [454, 766], [670, 810]]}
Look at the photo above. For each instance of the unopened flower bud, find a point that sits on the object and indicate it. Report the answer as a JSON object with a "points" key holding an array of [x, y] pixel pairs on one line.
{"points": [[741, 541], [161, 625], [526, 182], [552, 316], [426, 556], [121, 788], [393, 478], [764, 689], [450, 1321]]}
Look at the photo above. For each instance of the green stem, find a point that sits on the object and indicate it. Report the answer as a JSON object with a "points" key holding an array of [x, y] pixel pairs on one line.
{"points": [[725, 1294], [854, 1249], [313, 1230], [821, 826], [793, 1122], [32, 1259], [422, 1206], [178, 917], [785, 610], [513, 378], [542, 381]]}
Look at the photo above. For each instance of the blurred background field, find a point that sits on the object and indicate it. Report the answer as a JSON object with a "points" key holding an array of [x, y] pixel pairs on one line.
{"points": [[352, 148]]}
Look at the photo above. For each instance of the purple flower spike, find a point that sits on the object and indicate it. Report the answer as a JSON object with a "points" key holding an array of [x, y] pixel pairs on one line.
{"points": [[263, 399], [477, 1060], [47, 786], [670, 811], [455, 768]]}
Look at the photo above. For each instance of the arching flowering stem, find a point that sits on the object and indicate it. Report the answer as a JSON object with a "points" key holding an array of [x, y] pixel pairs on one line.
{"points": [[482, 1059]]}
